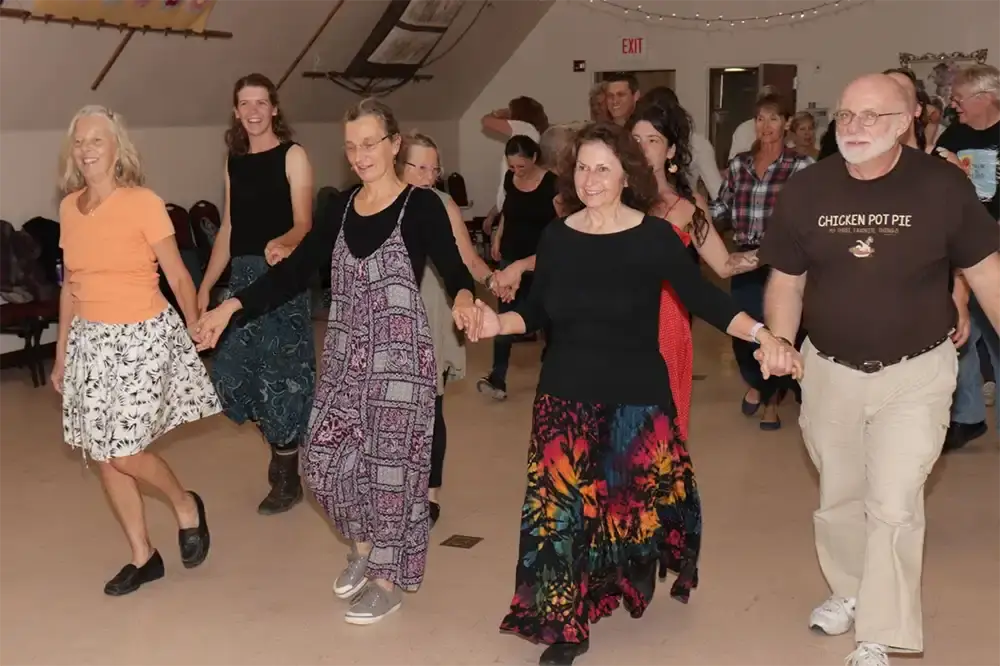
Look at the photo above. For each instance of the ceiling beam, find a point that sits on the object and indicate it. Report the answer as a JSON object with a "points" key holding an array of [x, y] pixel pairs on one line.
{"points": [[319, 31]]}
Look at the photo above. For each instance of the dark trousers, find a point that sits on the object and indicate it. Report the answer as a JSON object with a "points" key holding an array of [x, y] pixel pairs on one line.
{"points": [[502, 344], [439, 441], [747, 291]]}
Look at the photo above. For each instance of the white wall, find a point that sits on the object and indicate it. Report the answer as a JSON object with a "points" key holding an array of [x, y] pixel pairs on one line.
{"points": [[829, 51], [183, 165]]}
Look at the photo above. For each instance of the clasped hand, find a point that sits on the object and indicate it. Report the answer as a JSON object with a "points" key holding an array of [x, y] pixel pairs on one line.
{"points": [[777, 358], [505, 283]]}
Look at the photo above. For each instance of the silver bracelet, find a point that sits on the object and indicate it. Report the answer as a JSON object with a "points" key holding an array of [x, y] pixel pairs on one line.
{"points": [[754, 330]]}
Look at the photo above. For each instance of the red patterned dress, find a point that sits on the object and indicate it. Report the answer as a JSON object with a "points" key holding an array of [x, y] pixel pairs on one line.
{"points": [[677, 346]]}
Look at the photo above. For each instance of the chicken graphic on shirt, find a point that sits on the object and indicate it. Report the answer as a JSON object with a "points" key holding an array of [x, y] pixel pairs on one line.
{"points": [[863, 248]]}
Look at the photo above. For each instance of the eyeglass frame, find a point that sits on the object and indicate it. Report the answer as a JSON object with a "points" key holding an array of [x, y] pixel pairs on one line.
{"points": [[873, 115], [365, 148], [435, 170]]}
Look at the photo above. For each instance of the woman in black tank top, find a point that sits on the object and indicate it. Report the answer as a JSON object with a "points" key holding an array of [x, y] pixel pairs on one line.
{"points": [[529, 205], [264, 370]]}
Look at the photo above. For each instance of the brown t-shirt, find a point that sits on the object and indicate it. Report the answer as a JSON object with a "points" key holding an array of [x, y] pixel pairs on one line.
{"points": [[878, 252]]}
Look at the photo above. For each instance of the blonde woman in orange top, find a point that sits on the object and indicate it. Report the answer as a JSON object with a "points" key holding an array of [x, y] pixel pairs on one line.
{"points": [[125, 363]]}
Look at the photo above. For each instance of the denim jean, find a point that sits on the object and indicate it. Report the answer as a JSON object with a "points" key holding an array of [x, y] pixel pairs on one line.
{"points": [[968, 406]]}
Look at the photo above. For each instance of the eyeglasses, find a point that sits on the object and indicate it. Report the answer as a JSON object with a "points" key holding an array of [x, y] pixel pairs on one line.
{"points": [[365, 147], [845, 117], [957, 101], [425, 170]]}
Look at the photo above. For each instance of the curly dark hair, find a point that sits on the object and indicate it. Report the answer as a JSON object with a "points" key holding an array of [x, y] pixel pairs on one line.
{"points": [[529, 110], [674, 124], [236, 136], [638, 174]]}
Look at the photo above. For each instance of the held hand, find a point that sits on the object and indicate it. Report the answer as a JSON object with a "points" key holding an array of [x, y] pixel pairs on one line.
{"points": [[212, 324], [489, 323], [778, 358], [466, 315], [275, 252], [505, 283], [58, 370]]}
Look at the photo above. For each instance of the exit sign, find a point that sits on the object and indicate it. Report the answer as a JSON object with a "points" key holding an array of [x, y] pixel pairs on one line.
{"points": [[633, 46]]}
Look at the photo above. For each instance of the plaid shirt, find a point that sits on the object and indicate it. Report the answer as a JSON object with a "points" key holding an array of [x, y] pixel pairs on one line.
{"points": [[746, 201]]}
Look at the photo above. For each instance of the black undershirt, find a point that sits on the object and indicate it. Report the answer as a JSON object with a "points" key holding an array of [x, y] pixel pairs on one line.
{"points": [[426, 232], [601, 296]]}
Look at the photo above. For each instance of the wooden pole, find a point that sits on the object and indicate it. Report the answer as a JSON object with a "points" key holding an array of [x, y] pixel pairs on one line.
{"points": [[22, 15], [113, 59], [309, 44]]}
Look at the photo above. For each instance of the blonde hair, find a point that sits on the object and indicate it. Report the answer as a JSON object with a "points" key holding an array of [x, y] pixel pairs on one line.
{"points": [[411, 139], [128, 166], [799, 118], [981, 79]]}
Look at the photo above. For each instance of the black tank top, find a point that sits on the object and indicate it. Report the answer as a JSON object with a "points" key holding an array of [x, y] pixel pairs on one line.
{"points": [[260, 199]]}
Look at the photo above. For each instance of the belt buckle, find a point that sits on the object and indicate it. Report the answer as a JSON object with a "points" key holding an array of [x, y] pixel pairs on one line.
{"points": [[870, 367]]}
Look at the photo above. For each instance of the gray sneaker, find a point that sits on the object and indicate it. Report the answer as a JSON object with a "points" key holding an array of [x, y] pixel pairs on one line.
{"points": [[353, 579], [374, 604]]}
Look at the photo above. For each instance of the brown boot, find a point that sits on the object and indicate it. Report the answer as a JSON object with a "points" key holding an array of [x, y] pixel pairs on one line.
{"points": [[286, 488]]}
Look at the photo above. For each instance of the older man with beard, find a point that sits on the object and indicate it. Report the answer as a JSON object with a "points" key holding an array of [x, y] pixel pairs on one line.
{"points": [[861, 246]]}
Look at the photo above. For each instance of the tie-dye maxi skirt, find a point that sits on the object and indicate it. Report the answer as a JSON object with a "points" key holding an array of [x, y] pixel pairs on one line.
{"points": [[611, 492]]}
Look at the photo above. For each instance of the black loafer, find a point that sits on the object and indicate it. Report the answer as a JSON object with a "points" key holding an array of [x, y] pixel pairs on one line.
{"points": [[131, 577], [563, 654], [195, 541]]}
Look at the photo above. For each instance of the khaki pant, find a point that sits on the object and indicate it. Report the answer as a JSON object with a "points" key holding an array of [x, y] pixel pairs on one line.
{"points": [[874, 439]]}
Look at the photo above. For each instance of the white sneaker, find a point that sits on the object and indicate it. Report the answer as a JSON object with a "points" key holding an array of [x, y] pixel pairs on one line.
{"points": [[834, 617], [990, 393], [868, 654]]}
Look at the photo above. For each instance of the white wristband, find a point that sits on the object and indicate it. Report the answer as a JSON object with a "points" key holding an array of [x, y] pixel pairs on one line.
{"points": [[754, 330]]}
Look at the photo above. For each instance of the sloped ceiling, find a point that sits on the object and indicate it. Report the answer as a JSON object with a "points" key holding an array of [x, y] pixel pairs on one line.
{"points": [[46, 70]]}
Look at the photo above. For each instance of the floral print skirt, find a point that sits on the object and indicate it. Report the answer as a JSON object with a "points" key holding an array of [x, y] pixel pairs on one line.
{"points": [[611, 493], [125, 385]]}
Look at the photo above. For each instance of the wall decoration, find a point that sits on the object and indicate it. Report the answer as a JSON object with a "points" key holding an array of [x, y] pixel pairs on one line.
{"points": [[179, 15], [404, 47], [431, 13], [400, 45], [936, 71]]}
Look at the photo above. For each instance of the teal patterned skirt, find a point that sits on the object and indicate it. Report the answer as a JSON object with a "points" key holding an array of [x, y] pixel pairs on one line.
{"points": [[265, 368]]}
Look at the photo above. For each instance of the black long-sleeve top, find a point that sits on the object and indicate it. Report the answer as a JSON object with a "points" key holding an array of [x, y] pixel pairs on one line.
{"points": [[601, 295], [426, 232]]}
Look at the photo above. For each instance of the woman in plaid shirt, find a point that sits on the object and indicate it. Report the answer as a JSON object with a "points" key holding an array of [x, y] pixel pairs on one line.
{"points": [[750, 188]]}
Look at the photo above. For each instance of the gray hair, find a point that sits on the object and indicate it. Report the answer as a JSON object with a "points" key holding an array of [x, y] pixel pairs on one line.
{"points": [[979, 79]]}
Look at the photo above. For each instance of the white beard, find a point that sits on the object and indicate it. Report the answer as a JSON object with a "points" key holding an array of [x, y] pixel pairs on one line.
{"points": [[859, 155]]}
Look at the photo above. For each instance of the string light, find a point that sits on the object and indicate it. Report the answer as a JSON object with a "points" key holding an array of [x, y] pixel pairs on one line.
{"points": [[696, 20]]}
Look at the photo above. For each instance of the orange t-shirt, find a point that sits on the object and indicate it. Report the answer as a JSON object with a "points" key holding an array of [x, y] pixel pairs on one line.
{"points": [[109, 257]]}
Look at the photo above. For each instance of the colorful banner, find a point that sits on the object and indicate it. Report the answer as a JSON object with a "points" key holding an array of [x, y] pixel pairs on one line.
{"points": [[173, 14]]}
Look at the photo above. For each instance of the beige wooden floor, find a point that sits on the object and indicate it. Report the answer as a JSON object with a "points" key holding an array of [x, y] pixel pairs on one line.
{"points": [[263, 597]]}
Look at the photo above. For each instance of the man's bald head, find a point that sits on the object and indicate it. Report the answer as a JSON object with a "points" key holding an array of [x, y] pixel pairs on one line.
{"points": [[883, 88], [878, 111]]}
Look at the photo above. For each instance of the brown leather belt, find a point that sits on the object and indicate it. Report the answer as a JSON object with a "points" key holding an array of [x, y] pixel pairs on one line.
{"points": [[871, 367]]}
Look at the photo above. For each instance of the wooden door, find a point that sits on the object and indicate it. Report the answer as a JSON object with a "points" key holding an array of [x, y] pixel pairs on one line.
{"points": [[784, 78]]}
